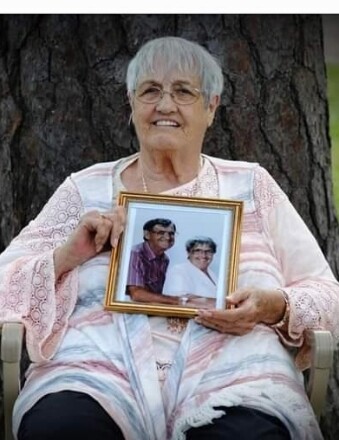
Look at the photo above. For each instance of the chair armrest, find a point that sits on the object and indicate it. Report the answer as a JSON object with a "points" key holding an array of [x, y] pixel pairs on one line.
{"points": [[11, 347], [322, 347]]}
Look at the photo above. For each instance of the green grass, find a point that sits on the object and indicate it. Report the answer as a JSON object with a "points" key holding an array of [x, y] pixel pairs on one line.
{"points": [[333, 100]]}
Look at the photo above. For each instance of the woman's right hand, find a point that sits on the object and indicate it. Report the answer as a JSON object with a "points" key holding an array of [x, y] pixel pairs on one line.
{"points": [[94, 232]]}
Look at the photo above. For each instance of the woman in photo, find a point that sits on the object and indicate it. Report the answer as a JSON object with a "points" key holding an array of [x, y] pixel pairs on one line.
{"points": [[194, 280]]}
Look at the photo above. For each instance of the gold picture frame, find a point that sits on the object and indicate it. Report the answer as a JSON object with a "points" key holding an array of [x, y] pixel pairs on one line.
{"points": [[219, 220]]}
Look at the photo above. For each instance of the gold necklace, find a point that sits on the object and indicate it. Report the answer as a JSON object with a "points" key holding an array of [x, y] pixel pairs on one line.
{"points": [[144, 184]]}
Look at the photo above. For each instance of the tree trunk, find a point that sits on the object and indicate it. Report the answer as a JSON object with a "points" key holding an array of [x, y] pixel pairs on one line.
{"points": [[63, 107]]}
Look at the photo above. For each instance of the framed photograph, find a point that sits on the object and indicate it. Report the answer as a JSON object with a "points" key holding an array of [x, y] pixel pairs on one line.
{"points": [[175, 256]]}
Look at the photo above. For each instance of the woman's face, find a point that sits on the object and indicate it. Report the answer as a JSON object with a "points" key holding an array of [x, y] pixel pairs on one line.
{"points": [[201, 255], [169, 126]]}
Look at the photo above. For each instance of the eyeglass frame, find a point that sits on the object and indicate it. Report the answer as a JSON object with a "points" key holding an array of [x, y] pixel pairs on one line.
{"points": [[170, 92], [171, 234], [202, 251]]}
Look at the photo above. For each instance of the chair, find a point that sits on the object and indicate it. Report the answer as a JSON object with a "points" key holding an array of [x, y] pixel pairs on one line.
{"points": [[11, 347], [12, 333]]}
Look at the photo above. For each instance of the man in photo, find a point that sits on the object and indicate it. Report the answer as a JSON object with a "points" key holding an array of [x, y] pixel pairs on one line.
{"points": [[148, 263]]}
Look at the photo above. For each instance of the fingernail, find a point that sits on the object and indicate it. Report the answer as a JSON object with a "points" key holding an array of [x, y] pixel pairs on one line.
{"points": [[115, 242], [198, 320]]}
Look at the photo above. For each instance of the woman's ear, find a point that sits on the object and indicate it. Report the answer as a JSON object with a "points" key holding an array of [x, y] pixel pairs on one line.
{"points": [[212, 108], [130, 100], [131, 103]]}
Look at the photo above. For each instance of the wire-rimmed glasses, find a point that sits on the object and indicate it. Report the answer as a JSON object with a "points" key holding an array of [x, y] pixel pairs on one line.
{"points": [[182, 94], [161, 233], [199, 251]]}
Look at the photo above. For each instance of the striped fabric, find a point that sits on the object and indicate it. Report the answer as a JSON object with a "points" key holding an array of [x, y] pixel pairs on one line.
{"points": [[147, 269], [76, 345]]}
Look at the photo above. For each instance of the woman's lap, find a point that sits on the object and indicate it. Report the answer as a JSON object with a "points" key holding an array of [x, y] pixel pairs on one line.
{"points": [[68, 414], [241, 423]]}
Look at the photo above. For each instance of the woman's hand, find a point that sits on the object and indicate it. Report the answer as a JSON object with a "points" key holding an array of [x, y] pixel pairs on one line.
{"points": [[246, 308], [94, 233]]}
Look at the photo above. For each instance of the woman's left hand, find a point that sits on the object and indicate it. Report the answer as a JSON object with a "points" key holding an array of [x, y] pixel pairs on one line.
{"points": [[250, 307]]}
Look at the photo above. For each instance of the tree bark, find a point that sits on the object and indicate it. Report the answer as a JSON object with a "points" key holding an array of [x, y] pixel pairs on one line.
{"points": [[63, 107]]}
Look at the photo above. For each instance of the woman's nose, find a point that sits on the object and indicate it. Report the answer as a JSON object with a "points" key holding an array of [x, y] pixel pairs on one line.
{"points": [[166, 103]]}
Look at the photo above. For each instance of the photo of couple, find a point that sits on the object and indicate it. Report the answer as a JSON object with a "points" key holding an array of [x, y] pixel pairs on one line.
{"points": [[176, 256], [189, 283]]}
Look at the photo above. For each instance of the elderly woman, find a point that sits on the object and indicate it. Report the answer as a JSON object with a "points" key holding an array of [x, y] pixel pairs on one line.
{"points": [[194, 280], [226, 373]]}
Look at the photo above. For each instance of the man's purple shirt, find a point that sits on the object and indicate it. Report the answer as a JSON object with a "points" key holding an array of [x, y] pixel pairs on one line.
{"points": [[147, 269]]}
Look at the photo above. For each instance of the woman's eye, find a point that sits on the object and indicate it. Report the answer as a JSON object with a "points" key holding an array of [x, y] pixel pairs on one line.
{"points": [[183, 91], [150, 91]]}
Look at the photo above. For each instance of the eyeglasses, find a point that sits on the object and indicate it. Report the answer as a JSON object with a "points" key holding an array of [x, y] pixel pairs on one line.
{"points": [[181, 94], [202, 251], [171, 234]]}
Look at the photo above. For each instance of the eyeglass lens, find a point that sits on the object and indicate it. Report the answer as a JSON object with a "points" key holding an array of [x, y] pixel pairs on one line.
{"points": [[163, 233], [181, 94], [202, 251]]}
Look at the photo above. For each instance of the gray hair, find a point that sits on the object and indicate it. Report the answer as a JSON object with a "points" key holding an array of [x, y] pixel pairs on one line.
{"points": [[165, 222], [190, 244], [176, 54]]}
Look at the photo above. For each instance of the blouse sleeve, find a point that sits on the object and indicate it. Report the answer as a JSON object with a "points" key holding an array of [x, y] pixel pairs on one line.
{"points": [[28, 289], [310, 285]]}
